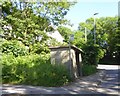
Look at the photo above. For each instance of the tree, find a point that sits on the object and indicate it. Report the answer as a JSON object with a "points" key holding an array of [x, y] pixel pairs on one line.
{"points": [[25, 23], [79, 39], [65, 32], [88, 27], [117, 36], [105, 30], [107, 37], [54, 11]]}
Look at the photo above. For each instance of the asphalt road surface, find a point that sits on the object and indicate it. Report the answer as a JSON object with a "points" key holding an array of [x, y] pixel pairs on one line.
{"points": [[111, 83]]}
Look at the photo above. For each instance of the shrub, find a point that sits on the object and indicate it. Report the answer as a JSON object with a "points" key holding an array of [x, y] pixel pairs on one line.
{"points": [[89, 69], [33, 70], [92, 54], [39, 48], [14, 47]]}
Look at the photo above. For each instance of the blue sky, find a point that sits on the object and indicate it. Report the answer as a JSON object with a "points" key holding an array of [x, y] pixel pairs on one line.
{"points": [[85, 9]]}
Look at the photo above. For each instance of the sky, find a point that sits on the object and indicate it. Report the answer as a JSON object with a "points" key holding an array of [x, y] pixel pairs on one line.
{"points": [[85, 9]]}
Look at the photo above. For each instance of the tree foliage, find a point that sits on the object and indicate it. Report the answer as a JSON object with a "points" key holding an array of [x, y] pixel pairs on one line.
{"points": [[106, 29], [14, 47], [65, 32], [107, 36], [28, 22], [92, 54], [79, 39], [23, 27]]}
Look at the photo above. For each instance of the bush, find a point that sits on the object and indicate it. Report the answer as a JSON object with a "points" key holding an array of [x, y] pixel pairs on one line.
{"points": [[39, 48], [89, 69], [92, 54], [33, 70], [14, 47]]}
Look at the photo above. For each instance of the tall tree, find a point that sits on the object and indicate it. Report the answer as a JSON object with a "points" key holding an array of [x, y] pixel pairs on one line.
{"points": [[105, 30], [54, 11], [24, 20]]}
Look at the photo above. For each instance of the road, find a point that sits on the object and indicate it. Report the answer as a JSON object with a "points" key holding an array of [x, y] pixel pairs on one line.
{"points": [[109, 85]]}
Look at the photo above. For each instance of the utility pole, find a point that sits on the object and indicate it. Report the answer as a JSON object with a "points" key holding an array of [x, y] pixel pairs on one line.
{"points": [[71, 38]]}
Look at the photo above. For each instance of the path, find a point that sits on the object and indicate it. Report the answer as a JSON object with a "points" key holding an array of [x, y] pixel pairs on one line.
{"points": [[111, 84]]}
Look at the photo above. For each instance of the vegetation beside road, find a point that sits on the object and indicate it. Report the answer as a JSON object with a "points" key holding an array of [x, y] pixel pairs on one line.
{"points": [[33, 69], [25, 53], [89, 69]]}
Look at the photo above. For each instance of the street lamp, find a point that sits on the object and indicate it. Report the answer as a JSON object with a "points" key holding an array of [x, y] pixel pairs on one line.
{"points": [[95, 28], [71, 38]]}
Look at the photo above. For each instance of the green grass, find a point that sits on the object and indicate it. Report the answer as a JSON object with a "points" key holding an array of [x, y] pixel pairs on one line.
{"points": [[89, 69], [33, 69]]}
